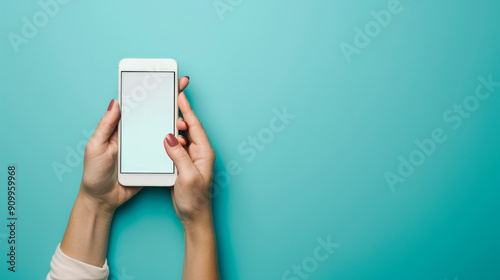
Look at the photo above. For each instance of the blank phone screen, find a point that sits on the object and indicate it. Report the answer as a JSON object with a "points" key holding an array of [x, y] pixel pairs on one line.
{"points": [[147, 108]]}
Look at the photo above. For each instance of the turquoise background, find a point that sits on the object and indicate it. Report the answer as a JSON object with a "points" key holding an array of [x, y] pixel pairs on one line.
{"points": [[321, 176]]}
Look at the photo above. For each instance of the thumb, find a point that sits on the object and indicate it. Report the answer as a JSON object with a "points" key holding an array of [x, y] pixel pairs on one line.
{"points": [[178, 154], [108, 123]]}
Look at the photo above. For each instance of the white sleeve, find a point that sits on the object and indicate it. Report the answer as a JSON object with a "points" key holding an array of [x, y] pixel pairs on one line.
{"points": [[64, 267]]}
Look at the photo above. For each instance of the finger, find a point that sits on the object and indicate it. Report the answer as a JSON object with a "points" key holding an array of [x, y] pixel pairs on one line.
{"points": [[183, 83], [182, 140], [181, 124], [131, 191], [196, 133], [107, 124], [178, 154], [185, 134], [113, 140]]}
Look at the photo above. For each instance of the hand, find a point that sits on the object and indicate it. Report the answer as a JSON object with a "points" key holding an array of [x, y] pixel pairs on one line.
{"points": [[194, 159], [191, 194], [100, 178]]}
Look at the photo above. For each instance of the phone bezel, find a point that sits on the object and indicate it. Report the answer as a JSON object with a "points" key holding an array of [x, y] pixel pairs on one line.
{"points": [[151, 65]]}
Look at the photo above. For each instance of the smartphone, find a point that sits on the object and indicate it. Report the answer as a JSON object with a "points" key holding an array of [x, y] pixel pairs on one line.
{"points": [[147, 94]]}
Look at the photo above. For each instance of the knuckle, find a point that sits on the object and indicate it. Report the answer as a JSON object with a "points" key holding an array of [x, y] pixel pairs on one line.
{"points": [[90, 146], [195, 124], [191, 179], [180, 154], [113, 152], [209, 153], [104, 125]]}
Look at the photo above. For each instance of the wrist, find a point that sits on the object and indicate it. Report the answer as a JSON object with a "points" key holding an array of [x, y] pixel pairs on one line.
{"points": [[95, 206], [86, 236], [202, 225], [200, 236]]}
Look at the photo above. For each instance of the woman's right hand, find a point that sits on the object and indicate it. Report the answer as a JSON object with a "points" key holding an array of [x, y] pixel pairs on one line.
{"points": [[191, 194], [194, 158]]}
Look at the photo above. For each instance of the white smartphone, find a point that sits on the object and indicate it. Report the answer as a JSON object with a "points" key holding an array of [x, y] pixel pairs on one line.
{"points": [[147, 94]]}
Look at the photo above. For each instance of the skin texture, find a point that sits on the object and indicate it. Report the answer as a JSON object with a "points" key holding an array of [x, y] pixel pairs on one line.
{"points": [[87, 233]]}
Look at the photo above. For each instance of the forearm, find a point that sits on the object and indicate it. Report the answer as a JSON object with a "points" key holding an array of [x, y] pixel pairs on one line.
{"points": [[200, 256], [87, 233]]}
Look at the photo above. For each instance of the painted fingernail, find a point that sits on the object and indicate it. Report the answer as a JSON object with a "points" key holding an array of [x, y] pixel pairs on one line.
{"points": [[187, 77], [111, 104], [171, 140]]}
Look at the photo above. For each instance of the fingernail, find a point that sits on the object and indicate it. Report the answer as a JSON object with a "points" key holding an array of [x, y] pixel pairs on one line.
{"points": [[187, 77], [111, 104], [171, 140]]}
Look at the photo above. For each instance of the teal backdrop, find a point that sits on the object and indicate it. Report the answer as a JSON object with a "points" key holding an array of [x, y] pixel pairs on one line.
{"points": [[383, 161]]}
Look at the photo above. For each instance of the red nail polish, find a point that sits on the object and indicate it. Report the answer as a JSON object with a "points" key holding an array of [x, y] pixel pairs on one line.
{"points": [[111, 104], [187, 77], [171, 140]]}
